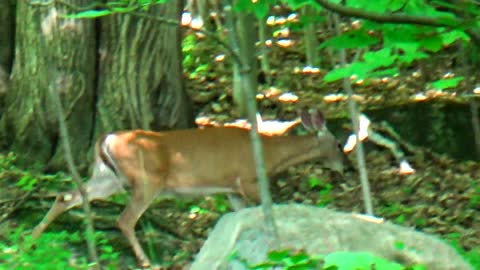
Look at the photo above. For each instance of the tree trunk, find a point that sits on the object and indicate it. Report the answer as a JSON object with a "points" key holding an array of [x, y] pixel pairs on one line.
{"points": [[49, 52], [7, 42], [141, 78], [136, 82], [7, 21], [245, 27]]}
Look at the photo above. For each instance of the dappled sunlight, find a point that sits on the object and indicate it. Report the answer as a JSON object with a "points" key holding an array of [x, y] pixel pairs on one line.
{"points": [[265, 127]]}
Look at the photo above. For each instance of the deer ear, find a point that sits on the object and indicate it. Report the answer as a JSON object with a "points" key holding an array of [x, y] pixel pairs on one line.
{"points": [[313, 120], [318, 120], [306, 119]]}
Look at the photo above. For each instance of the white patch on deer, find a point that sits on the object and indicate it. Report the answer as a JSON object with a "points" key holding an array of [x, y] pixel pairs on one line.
{"points": [[67, 197], [103, 168], [108, 140]]}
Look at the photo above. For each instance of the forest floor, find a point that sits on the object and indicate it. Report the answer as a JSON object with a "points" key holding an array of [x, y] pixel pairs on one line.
{"points": [[442, 197]]}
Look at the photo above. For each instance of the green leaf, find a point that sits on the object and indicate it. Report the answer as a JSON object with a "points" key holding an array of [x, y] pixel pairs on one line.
{"points": [[297, 4], [380, 58], [375, 6], [447, 83], [27, 182], [351, 39], [454, 35], [399, 245], [359, 260], [337, 74], [300, 257], [314, 182], [89, 14], [278, 255], [264, 265], [123, 9], [359, 69], [261, 9], [243, 6], [384, 72], [394, 5], [410, 52], [432, 43]]}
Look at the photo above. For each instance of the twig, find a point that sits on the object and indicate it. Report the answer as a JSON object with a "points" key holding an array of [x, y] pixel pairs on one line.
{"points": [[360, 152], [385, 127], [90, 233], [18, 203], [251, 104]]}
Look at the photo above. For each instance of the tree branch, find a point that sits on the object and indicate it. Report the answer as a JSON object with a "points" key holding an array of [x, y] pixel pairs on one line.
{"points": [[388, 18], [399, 18]]}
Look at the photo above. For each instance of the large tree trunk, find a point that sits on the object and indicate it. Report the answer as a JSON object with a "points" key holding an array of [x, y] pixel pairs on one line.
{"points": [[49, 52], [141, 81], [7, 43], [136, 82], [7, 21]]}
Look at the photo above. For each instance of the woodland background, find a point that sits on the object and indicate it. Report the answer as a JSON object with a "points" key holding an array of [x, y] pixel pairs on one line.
{"points": [[412, 66]]}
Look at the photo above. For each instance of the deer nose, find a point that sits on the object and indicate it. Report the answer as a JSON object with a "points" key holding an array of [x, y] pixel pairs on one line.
{"points": [[336, 166]]}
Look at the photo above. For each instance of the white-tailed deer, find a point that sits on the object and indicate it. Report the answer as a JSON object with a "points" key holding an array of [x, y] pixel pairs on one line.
{"points": [[196, 161]]}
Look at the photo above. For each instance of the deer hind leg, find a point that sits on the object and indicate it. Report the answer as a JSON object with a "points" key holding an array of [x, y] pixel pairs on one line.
{"points": [[251, 191], [140, 199], [236, 201]]}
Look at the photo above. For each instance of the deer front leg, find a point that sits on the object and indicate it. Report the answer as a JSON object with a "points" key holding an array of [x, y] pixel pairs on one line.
{"points": [[140, 200], [245, 192], [99, 187]]}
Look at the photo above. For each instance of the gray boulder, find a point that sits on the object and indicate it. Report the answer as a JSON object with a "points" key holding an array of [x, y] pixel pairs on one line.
{"points": [[319, 231]]}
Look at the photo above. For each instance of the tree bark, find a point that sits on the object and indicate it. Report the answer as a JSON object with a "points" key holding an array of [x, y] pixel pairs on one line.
{"points": [[7, 33], [136, 81], [245, 27], [49, 50], [141, 78], [7, 42]]}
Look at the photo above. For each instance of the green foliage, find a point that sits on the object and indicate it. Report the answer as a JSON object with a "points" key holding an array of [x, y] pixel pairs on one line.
{"points": [[472, 256], [114, 7], [326, 190], [475, 198], [89, 14], [361, 260], [259, 8], [297, 4], [20, 251], [289, 260], [195, 209], [400, 212], [337, 260], [7, 162], [221, 203], [191, 61], [107, 251], [349, 40], [27, 182], [391, 45], [447, 83]]}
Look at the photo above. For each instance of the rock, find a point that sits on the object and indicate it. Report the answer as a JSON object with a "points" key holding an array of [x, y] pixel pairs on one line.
{"points": [[319, 231]]}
